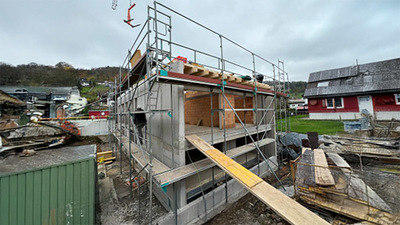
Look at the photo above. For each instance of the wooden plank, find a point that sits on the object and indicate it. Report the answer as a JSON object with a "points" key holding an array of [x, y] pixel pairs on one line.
{"points": [[238, 80], [104, 153], [135, 58], [260, 85], [189, 69], [286, 207], [183, 172], [265, 86], [213, 74], [323, 175], [201, 72], [339, 161], [111, 158], [233, 168], [354, 210], [230, 78], [303, 149]]}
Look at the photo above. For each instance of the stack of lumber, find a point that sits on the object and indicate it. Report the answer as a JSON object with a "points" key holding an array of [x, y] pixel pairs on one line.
{"points": [[105, 157], [327, 181], [197, 70], [367, 146]]}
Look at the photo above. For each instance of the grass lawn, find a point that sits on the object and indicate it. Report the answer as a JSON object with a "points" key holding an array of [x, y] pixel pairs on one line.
{"points": [[91, 92], [301, 124]]}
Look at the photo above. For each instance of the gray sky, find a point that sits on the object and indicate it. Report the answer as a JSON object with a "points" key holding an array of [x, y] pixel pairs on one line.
{"points": [[308, 35]]}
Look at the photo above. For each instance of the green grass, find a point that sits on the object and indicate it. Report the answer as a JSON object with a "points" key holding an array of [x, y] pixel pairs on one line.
{"points": [[301, 124], [91, 92]]}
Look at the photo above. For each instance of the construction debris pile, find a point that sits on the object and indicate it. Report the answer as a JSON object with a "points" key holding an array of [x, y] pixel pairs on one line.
{"points": [[366, 147], [35, 136], [327, 181]]}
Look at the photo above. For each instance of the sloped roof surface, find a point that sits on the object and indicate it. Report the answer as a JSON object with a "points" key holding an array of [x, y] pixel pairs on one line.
{"points": [[4, 97], [380, 77]]}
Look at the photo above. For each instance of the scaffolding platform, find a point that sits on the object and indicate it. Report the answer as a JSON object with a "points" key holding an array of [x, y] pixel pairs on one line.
{"points": [[141, 159], [183, 172], [218, 134]]}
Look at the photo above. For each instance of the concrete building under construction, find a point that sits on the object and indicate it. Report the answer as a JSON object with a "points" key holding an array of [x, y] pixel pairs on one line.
{"points": [[194, 101]]}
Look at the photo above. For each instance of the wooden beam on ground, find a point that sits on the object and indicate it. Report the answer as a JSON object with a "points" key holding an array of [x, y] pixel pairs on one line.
{"points": [[354, 210], [339, 161], [323, 175], [286, 207], [104, 153], [183, 172]]}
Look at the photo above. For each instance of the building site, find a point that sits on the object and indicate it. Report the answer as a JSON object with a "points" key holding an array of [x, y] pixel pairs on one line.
{"points": [[190, 133]]}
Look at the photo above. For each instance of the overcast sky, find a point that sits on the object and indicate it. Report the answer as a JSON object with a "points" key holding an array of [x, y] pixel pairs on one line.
{"points": [[308, 35]]}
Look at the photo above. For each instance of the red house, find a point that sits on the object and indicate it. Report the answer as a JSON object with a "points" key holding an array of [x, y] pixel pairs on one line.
{"points": [[343, 93], [99, 114]]}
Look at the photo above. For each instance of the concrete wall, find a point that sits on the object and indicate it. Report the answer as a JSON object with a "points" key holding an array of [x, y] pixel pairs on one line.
{"points": [[203, 209], [92, 127], [335, 116], [167, 127]]}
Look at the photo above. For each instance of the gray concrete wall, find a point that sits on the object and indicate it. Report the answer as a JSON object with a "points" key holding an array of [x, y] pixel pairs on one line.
{"points": [[92, 127], [166, 128], [204, 209]]}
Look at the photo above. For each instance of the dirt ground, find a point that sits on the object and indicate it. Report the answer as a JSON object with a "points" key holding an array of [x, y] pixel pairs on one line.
{"points": [[383, 179], [250, 210], [123, 209]]}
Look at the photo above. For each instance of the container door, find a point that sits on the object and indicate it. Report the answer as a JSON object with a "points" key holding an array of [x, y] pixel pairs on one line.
{"points": [[365, 102]]}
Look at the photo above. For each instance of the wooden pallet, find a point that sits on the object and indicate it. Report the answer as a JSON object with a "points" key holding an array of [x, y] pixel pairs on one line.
{"points": [[105, 157]]}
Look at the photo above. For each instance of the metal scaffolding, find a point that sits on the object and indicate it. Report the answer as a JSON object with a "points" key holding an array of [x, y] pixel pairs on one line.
{"points": [[159, 50]]}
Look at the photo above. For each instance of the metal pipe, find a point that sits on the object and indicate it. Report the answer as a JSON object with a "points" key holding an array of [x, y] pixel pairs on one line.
{"points": [[120, 129], [212, 31], [129, 141]]}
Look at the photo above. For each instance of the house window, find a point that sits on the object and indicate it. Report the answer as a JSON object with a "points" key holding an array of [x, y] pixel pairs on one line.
{"points": [[323, 84], [334, 103], [397, 97]]}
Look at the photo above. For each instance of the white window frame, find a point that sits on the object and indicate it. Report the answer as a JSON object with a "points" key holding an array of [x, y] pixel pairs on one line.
{"points": [[334, 103], [397, 98], [323, 84]]}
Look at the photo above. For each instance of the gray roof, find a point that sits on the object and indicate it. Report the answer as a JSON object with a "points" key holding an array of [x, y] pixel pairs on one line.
{"points": [[46, 158], [54, 90], [376, 77]]}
